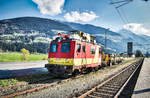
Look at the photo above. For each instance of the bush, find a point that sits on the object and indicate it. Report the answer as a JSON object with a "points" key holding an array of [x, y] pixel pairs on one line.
{"points": [[45, 57], [25, 53]]}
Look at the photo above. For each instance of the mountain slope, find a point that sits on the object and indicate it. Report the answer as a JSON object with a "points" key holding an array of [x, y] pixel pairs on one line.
{"points": [[117, 41], [35, 33], [31, 33], [113, 38], [139, 41], [29, 24]]}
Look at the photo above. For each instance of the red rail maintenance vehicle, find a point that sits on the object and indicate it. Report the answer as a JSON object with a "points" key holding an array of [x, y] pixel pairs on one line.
{"points": [[74, 53]]}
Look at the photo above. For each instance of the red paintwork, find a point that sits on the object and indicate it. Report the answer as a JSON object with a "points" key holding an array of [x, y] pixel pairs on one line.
{"points": [[93, 65], [87, 53], [73, 52], [89, 65], [59, 54]]}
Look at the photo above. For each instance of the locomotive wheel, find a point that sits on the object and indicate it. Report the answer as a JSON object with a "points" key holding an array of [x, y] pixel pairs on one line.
{"points": [[75, 73], [93, 69], [88, 70], [96, 68], [84, 70], [64, 76], [111, 64]]}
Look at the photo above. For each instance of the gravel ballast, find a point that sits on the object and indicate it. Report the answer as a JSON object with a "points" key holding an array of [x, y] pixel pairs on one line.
{"points": [[74, 86]]}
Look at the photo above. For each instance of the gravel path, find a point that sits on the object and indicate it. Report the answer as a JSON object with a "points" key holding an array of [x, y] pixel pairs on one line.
{"points": [[19, 69], [142, 88], [21, 65], [76, 85]]}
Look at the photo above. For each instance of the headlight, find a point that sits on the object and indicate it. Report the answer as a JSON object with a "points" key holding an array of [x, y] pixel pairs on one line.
{"points": [[65, 67], [48, 59], [67, 60]]}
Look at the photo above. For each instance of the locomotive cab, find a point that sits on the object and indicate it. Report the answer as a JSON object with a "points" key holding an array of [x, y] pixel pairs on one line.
{"points": [[68, 55], [60, 57]]}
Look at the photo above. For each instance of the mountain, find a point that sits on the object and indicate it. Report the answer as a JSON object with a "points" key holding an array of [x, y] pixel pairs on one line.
{"points": [[35, 33], [116, 41], [113, 39], [140, 42], [31, 33], [30, 25]]}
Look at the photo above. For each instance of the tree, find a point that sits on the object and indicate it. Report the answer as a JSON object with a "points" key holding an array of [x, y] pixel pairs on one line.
{"points": [[138, 53], [147, 54], [25, 53]]}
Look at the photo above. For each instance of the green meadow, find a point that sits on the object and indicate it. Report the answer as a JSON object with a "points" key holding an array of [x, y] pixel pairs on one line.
{"points": [[17, 56]]}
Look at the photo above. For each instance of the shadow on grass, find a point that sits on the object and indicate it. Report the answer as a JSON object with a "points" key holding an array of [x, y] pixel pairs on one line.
{"points": [[8, 77], [6, 74]]}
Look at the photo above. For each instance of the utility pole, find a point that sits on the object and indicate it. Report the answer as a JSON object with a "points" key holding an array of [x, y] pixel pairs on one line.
{"points": [[106, 38]]}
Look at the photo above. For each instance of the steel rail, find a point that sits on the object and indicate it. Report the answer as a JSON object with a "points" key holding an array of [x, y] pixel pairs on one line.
{"points": [[106, 81], [38, 88], [121, 89]]}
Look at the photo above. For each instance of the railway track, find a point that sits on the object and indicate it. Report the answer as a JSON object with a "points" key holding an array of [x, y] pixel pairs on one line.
{"points": [[112, 87], [44, 83]]}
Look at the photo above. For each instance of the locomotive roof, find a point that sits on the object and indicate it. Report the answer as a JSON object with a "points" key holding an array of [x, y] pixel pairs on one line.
{"points": [[81, 36], [77, 31], [78, 40]]}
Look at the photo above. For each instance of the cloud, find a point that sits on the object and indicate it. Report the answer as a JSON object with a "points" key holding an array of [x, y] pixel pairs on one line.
{"points": [[76, 16], [137, 28], [50, 7]]}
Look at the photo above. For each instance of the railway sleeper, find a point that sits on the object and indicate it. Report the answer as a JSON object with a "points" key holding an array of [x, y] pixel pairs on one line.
{"points": [[102, 94], [106, 91], [108, 88], [92, 96], [112, 84], [112, 87]]}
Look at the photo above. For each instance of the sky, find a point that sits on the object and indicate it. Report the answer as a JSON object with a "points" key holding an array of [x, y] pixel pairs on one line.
{"points": [[135, 16]]}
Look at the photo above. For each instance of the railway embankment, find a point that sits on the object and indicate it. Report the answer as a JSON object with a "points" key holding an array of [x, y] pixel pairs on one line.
{"points": [[73, 86]]}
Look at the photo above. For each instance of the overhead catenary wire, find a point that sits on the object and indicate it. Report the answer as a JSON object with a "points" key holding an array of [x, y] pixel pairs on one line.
{"points": [[118, 6], [121, 3], [121, 17], [117, 2], [124, 14]]}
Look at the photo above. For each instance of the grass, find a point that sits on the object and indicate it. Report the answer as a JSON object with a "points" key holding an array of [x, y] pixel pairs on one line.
{"points": [[19, 80], [16, 56], [8, 82]]}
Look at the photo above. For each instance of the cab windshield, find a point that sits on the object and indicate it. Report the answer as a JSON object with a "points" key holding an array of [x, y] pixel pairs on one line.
{"points": [[53, 47], [65, 47]]}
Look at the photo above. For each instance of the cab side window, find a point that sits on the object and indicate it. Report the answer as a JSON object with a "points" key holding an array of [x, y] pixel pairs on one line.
{"points": [[83, 47], [100, 51], [78, 47], [92, 50]]}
